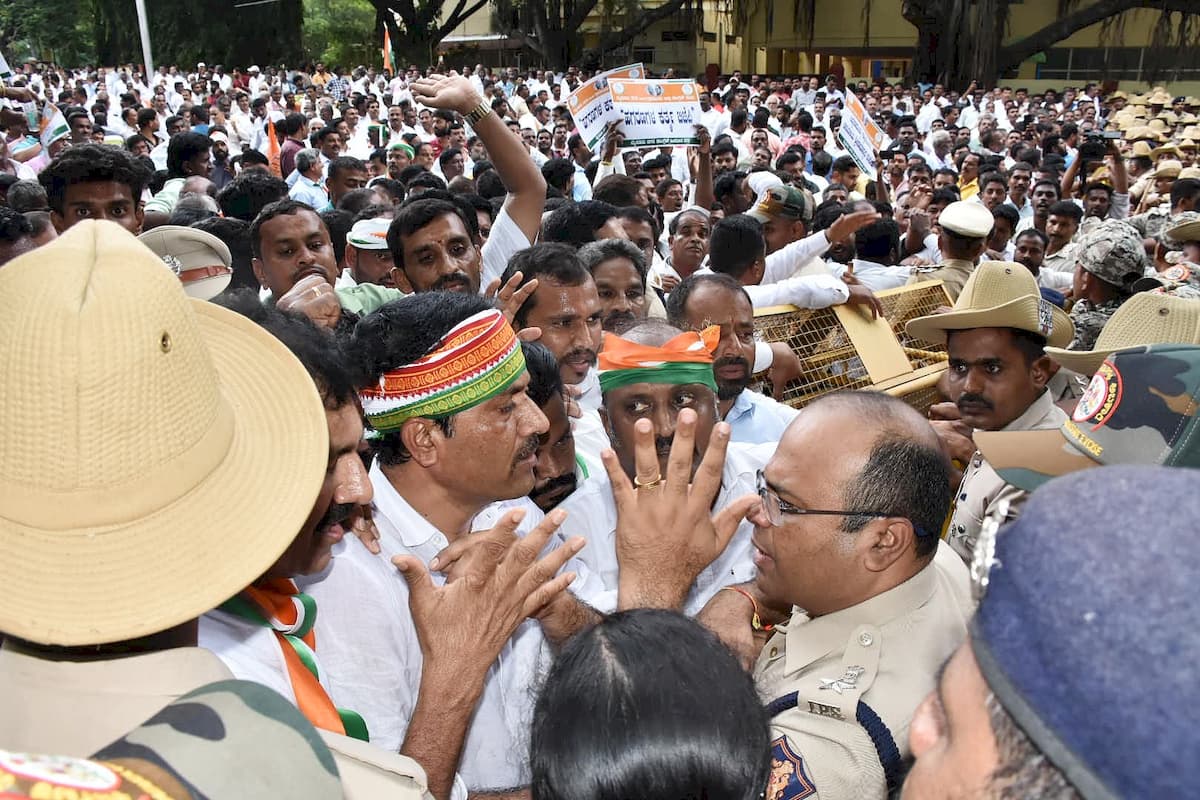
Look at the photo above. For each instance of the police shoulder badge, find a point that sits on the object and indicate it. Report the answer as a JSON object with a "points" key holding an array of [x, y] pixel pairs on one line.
{"points": [[788, 779]]}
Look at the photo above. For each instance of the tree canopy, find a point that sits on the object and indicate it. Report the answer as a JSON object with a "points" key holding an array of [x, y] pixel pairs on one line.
{"points": [[182, 31]]}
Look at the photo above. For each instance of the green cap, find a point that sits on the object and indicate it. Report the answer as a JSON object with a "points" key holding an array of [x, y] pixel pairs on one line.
{"points": [[782, 202]]}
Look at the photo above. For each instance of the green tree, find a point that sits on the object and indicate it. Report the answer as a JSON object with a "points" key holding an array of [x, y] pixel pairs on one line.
{"points": [[80, 32], [553, 28], [341, 32], [44, 29], [421, 24], [963, 40]]}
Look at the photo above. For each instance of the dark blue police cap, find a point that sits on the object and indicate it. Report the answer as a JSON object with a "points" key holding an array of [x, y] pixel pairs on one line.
{"points": [[1087, 633]]}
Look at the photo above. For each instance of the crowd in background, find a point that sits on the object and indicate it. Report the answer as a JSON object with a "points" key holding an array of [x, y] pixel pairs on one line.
{"points": [[494, 401]]}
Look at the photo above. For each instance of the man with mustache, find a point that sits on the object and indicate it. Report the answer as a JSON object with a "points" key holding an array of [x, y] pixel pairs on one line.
{"points": [[431, 241], [559, 471], [453, 433], [295, 262], [996, 336], [706, 299], [618, 269], [565, 306], [655, 372]]}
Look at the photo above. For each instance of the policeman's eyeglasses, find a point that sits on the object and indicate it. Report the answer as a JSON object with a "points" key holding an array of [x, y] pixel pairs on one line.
{"points": [[775, 508]]}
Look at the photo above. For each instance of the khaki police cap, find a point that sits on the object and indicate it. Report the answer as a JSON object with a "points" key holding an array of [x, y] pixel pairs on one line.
{"points": [[967, 218], [201, 261]]}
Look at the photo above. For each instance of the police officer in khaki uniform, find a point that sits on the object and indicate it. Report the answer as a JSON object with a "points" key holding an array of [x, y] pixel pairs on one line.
{"points": [[966, 226], [190, 448], [847, 538], [996, 336]]}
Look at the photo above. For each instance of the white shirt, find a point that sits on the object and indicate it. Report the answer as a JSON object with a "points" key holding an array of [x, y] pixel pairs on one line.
{"points": [[252, 652], [590, 398], [590, 438], [784, 262], [370, 648], [803, 291], [716, 121], [505, 240], [874, 276], [592, 514]]}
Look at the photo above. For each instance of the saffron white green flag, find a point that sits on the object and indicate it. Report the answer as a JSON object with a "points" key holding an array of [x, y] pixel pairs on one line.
{"points": [[54, 125]]}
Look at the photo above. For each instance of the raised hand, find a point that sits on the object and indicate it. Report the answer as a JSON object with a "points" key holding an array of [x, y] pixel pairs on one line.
{"points": [[862, 296], [313, 296], [666, 532], [451, 91], [850, 223], [496, 580], [512, 295]]}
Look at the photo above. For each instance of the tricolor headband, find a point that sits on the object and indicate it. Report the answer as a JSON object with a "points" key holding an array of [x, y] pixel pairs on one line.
{"points": [[476, 360], [685, 359]]}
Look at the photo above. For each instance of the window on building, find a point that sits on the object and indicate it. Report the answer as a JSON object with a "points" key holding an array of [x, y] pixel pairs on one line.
{"points": [[643, 54], [1080, 64]]}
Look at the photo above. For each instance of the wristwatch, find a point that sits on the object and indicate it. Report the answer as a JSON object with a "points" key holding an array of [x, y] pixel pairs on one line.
{"points": [[479, 112]]}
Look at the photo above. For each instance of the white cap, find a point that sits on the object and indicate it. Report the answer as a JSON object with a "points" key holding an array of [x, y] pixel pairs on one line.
{"points": [[369, 234], [967, 218], [760, 182]]}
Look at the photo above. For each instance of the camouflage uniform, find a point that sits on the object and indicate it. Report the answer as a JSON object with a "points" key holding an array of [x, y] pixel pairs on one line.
{"points": [[1152, 223], [1089, 320], [226, 739], [1138, 409], [1112, 252], [1181, 280]]}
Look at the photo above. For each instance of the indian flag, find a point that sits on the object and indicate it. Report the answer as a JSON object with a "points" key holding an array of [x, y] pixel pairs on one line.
{"points": [[54, 125]]}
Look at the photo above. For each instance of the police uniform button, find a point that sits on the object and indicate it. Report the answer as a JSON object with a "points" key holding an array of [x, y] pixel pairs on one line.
{"points": [[866, 639], [774, 652]]}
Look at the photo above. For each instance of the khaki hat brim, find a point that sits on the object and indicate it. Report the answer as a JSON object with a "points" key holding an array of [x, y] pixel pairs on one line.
{"points": [[1085, 362], [1027, 459], [1187, 232], [1013, 314], [99, 585]]}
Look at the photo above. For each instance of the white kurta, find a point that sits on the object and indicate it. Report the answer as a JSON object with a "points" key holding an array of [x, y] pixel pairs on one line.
{"points": [[369, 644]]}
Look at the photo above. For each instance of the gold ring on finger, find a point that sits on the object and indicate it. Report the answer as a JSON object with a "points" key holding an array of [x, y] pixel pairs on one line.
{"points": [[638, 483]]}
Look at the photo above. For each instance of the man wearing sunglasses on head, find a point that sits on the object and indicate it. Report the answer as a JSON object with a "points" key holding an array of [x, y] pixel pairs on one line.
{"points": [[846, 537]]}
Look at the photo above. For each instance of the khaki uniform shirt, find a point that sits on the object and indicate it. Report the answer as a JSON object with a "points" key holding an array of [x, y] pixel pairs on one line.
{"points": [[1067, 385], [982, 488], [884, 652], [952, 272], [75, 708]]}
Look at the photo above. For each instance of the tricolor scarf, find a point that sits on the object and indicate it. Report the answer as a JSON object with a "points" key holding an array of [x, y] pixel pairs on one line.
{"points": [[276, 603], [688, 358], [479, 358]]}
